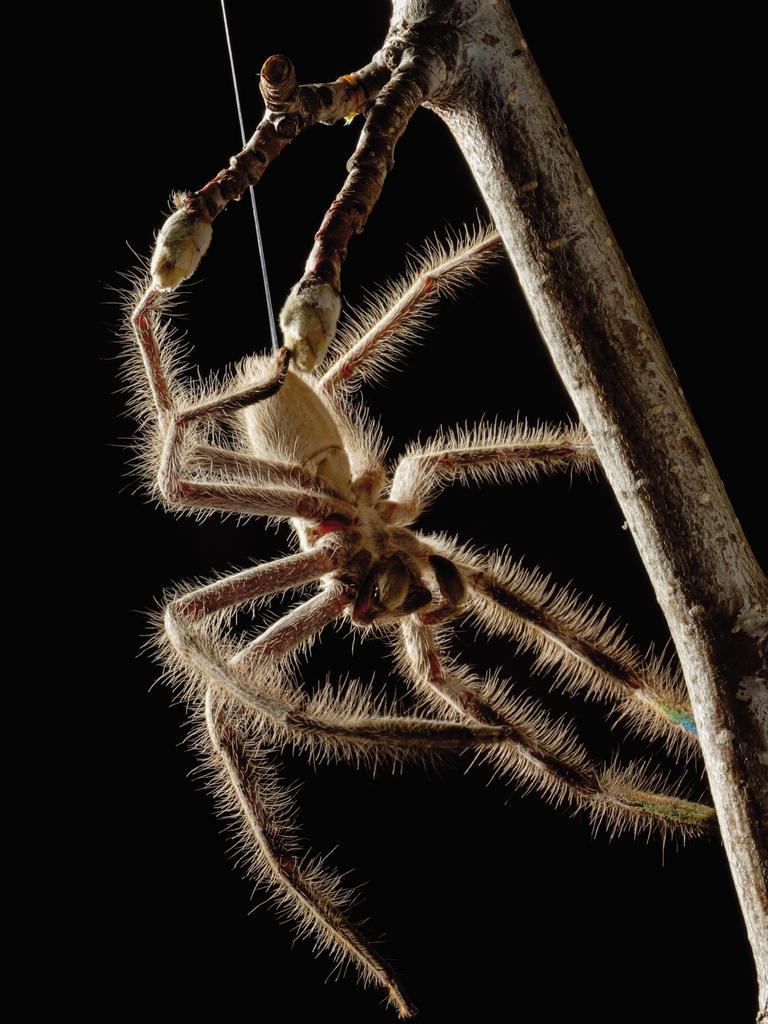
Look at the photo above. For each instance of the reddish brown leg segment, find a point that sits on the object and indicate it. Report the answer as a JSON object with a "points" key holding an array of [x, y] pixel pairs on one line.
{"points": [[409, 302], [291, 109], [144, 332], [174, 486], [310, 313]]}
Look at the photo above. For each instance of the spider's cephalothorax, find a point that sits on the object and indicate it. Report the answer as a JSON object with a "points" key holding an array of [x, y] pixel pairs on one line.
{"points": [[297, 446], [387, 570]]}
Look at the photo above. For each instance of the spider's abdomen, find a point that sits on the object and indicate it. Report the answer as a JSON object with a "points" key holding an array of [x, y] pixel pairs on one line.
{"points": [[296, 426]]}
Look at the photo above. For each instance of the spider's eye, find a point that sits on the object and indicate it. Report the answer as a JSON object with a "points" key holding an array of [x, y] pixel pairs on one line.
{"points": [[376, 595]]}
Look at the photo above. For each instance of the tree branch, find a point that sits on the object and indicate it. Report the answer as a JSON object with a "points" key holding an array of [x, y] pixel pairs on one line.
{"points": [[608, 353]]}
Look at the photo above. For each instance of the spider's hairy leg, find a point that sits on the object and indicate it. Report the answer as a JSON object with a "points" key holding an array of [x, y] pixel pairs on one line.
{"points": [[583, 647], [201, 650], [143, 323], [308, 892], [494, 453], [247, 498], [378, 334], [353, 726], [231, 464], [204, 653], [258, 581], [346, 728], [541, 753], [296, 629]]}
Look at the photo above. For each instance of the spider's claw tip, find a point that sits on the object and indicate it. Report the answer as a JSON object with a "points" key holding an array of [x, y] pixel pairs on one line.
{"points": [[405, 1009]]}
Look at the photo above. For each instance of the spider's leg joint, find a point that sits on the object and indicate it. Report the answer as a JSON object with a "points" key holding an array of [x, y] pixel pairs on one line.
{"points": [[476, 578], [437, 615], [172, 490], [387, 509], [370, 483], [398, 513], [140, 313], [308, 509], [436, 674]]}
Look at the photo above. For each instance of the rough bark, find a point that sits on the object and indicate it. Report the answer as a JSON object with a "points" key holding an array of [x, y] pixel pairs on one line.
{"points": [[607, 350]]}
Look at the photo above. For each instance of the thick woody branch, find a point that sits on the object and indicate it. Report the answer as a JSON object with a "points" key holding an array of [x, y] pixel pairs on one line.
{"points": [[606, 348]]}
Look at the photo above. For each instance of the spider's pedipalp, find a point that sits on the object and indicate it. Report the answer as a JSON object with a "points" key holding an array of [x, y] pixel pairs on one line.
{"points": [[308, 321], [314, 303]]}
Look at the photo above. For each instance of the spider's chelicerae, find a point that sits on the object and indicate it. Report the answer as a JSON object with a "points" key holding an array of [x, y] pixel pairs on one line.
{"points": [[277, 442]]}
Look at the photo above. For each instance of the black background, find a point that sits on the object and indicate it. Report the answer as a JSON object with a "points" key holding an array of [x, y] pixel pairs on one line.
{"points": [[494, 906]]}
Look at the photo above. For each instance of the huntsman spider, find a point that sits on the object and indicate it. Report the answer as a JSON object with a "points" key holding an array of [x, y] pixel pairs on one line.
{"points": [[275, 441]]}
